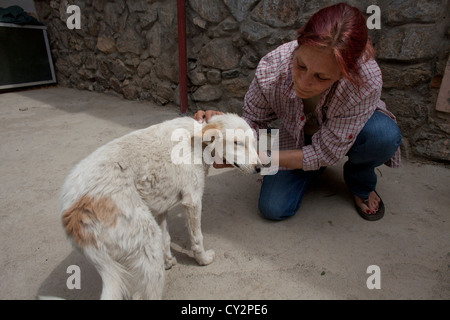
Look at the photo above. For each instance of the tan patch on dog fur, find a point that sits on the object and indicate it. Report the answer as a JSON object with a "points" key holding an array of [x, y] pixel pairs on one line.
{"points": [[212, 126], [79, 219], [210, 131]]}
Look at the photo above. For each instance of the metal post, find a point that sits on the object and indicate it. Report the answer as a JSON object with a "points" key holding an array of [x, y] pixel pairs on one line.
{"points": [[182, 55]]}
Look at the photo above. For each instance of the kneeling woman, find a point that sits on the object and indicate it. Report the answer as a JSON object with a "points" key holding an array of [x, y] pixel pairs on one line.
{"points": [[325, 89]]}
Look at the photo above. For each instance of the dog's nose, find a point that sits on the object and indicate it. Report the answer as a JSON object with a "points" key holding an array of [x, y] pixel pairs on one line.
{"points": [[258, 169]]}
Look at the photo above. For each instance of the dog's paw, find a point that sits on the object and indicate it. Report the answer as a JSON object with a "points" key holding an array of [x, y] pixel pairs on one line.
{"points": [[205, 258], [170, 262]]}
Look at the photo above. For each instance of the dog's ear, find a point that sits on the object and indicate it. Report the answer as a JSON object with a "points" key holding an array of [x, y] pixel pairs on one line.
{"points": [[211, 132]]}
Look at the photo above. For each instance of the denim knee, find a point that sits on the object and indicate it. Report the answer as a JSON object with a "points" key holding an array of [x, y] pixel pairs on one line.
{"points": [[282, 193], [274, 211], [377, 142], [387, 139]]}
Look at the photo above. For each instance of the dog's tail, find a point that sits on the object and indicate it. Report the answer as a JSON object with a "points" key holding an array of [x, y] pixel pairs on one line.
{"points": [[115, 277], [131, 265]]}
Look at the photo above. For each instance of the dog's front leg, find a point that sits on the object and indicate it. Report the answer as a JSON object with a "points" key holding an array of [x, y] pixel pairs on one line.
{"points": [[193, 217], [169, 259]]}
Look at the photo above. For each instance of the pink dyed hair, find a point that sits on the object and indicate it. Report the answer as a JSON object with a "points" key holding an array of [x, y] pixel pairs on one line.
{"points": [[342, 28]]}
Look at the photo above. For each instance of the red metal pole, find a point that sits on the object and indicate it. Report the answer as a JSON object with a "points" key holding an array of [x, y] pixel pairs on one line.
{"points": [[182, 55]]}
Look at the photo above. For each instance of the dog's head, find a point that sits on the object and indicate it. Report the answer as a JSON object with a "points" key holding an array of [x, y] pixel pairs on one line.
{"points": [[228, 138]]}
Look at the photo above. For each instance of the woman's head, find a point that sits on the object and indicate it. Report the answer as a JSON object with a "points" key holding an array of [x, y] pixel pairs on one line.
{"points": [[314, 70], [341, 30]]}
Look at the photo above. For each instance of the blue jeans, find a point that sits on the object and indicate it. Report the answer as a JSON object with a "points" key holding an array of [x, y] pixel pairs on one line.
{"points": [[282, 194]]}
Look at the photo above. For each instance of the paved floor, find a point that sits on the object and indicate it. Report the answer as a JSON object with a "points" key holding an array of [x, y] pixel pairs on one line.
{"points": [[321, 253]]}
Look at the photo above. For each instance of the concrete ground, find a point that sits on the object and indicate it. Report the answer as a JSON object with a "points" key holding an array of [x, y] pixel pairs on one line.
{"points": [[321, 253]]}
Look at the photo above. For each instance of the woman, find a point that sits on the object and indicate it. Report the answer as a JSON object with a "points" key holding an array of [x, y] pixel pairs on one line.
{"points": [[325, 89]]}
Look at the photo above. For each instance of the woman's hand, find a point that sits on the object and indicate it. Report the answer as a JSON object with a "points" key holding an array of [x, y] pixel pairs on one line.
{"points": [[200, 115]]}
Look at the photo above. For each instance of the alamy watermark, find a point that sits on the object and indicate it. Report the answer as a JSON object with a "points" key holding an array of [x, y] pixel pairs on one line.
{"points": [[374, 20], [74, 280], [374, 280], [74, 20]]}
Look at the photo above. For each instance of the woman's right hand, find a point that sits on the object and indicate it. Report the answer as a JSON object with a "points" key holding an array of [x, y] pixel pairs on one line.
{"points": [[206, 115]]}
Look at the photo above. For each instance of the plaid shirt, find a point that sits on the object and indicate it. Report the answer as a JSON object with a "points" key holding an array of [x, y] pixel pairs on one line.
{"points": [[271, 96]]}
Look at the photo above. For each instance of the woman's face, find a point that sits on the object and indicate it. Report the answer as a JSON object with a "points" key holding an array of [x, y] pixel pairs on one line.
{"points": [[314, 71]]}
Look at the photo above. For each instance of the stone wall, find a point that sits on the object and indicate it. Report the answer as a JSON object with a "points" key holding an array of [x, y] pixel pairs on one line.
{"points": [[129, 48]]}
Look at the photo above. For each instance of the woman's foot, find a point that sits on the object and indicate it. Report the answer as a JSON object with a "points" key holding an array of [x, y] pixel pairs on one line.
{"points": [[370, 209], [369, 206]]}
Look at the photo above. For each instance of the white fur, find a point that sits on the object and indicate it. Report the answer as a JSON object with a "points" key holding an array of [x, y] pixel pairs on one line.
{"points": [[119, 197]]}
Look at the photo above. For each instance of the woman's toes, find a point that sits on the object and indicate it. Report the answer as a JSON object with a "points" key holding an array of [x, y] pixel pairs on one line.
{"points": [[374, 202], [362, 204]]}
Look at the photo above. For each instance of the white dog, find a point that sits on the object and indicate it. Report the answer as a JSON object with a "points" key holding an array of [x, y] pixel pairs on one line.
{"points": [[114, 203]]}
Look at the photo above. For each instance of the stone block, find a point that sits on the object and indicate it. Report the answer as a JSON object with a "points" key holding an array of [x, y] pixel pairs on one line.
{"points": [[129, 41], [408, 44], [220, 54], [254, 31], [236, 88], [402, 76], [240, 8], [432, 141], [402, 12], [410, 108], [119, 69], [277, 13], [137, 6], [115, 16], [130, 92], [197, 77], [210, 10], [214, 76], [164, 93], [144, 68], [207, 93], [106, 45]]}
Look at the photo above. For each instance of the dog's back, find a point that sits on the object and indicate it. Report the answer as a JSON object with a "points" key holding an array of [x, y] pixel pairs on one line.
{"points": [[130, 161]]}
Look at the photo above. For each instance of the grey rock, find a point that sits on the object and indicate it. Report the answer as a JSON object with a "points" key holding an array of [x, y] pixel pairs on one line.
{"points": [[210, 10], [254, 31], [403, 77], [402, 12], [207, 93], [220, 54], [106, 45], [129, 41], [240, 8], [432, 142], [277, 13], [214, 76], [405, 43]]}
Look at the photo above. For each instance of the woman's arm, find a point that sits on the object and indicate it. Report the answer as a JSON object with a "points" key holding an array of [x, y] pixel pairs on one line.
{"points": [[292, 159]]}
